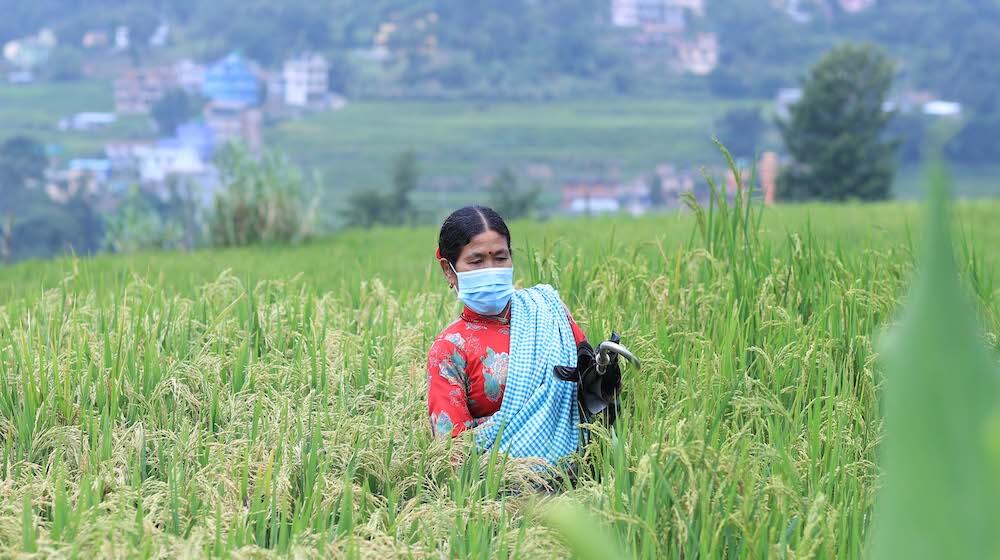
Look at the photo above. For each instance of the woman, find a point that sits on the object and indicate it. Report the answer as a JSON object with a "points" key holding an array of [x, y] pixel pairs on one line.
{"points": [[470, 360]]}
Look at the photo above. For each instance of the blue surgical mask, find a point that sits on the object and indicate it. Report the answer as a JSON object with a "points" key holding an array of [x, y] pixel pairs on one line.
{"points": [[486, 291]]}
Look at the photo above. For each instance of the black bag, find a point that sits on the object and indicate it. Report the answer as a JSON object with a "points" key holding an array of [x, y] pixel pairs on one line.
{"points": [[595, 393]]}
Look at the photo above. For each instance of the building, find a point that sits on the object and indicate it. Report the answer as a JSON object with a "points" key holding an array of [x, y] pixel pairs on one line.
{"points": [[195, 135], [784, 100], [234, 123], [305, 80], [87, 121], [139, 88], [124, 155], [856, 6], [700, 55], [95, 39], [159, 162], [939, 108], [232, 82], [190, 75], [666, 15], [30, 52], [598, 197]]}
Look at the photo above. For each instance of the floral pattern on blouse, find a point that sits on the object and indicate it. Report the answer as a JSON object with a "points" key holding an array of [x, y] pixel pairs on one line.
{"points": [[467, 371]]}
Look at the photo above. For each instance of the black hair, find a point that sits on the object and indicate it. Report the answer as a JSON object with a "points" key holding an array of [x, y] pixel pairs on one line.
{"points": [[465, 223]]}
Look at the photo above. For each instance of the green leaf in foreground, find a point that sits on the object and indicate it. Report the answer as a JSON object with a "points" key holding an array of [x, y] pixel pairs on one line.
{"points": [[939, 498], [586, 538]]}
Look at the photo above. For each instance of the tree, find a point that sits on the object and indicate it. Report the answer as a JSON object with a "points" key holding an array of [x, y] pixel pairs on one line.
{"points": [[656, 197], [172, 110], [976, 142], [405, 176], [22, 160], [65, 64], [263, 201], [739, 131], [836, 133], [510, 201]]}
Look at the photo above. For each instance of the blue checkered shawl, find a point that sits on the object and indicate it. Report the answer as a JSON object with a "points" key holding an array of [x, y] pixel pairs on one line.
{"points": [[539, 416]]}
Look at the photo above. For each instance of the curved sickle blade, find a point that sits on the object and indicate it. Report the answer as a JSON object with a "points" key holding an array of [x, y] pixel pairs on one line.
{"points": [[607, 346]]}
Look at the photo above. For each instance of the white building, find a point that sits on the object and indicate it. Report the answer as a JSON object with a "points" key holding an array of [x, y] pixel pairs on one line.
{"points": [[190, 75], [656, 13], [306, 80], [157, 163]]}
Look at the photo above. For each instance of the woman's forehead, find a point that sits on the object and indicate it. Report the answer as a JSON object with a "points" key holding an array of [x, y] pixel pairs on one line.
{"points": [[488, 241]]}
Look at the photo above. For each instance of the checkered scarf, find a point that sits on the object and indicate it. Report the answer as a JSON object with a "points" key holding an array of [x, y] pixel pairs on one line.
{"points": [[538, 415]]}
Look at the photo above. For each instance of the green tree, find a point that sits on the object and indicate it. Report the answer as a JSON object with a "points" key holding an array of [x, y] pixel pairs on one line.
{"points": [[405, 177], [739, 130], [22, 160], [836, 133], [65, 64], [510, 201], [171, 110], [263, 201], [656, 196]]}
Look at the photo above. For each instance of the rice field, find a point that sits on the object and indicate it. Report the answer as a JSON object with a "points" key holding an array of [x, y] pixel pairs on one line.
{"points": [[271, 401]]}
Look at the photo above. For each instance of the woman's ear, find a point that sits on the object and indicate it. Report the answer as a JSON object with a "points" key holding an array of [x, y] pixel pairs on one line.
{"points": [[449, 274]]}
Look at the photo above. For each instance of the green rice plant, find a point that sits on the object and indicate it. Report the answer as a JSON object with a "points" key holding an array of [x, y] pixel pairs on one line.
{"points": [[270, 401], [940, 497]]}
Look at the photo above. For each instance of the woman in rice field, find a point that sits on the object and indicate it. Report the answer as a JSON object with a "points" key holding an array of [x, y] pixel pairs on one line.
{"points": [[494, 370]]}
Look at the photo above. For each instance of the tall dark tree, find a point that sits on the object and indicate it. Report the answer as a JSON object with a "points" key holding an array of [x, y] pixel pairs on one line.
{"points": [[508, 199], [405, 176], [22, 160], [171, 110], [836, 133], [739, 130]]}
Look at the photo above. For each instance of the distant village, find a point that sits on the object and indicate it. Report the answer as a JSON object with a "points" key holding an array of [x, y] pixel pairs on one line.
{"points": [[239, 96]]}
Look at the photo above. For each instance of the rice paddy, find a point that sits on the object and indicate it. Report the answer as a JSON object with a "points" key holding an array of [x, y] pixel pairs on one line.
{"points": [[270, 402]]}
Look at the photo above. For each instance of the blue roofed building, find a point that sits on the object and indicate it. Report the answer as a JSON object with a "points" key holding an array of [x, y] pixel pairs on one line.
{"points": [[233, 82], [195, 135]]}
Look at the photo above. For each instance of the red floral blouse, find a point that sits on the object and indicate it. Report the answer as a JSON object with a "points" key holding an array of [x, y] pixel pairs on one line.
{"points": [[467, 370]]}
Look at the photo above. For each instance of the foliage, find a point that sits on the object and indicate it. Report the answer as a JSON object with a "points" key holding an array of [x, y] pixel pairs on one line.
{"points": [[942, 416], [836, 133], [32, 224], [137, 226], [509, 200], [22, 162], [172, 110], [152, 405], [976, 142], [65, 64], [263, 201], [740, 130], [368, 208]]}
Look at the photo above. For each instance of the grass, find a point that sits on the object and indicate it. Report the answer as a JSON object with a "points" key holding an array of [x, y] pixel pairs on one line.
{"points": [[35, 110], [457, 140], [259, 402]]}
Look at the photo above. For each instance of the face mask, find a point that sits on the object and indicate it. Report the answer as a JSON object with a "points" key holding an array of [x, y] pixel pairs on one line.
{"points": [[486, 290]]}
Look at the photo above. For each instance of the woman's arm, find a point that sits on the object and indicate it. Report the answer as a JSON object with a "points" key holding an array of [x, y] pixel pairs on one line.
{"points": [[447, 390]]}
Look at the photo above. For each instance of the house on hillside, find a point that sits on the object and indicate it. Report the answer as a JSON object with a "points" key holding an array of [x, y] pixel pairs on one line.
{"points": [[653, 15], [88, 121], [232, 81], [232, 86], [190, 75], [601, 197], [305, 80], [234, 123], [94, 38], [699, 55], [855, 6], [137, 89], [784, 100]]}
